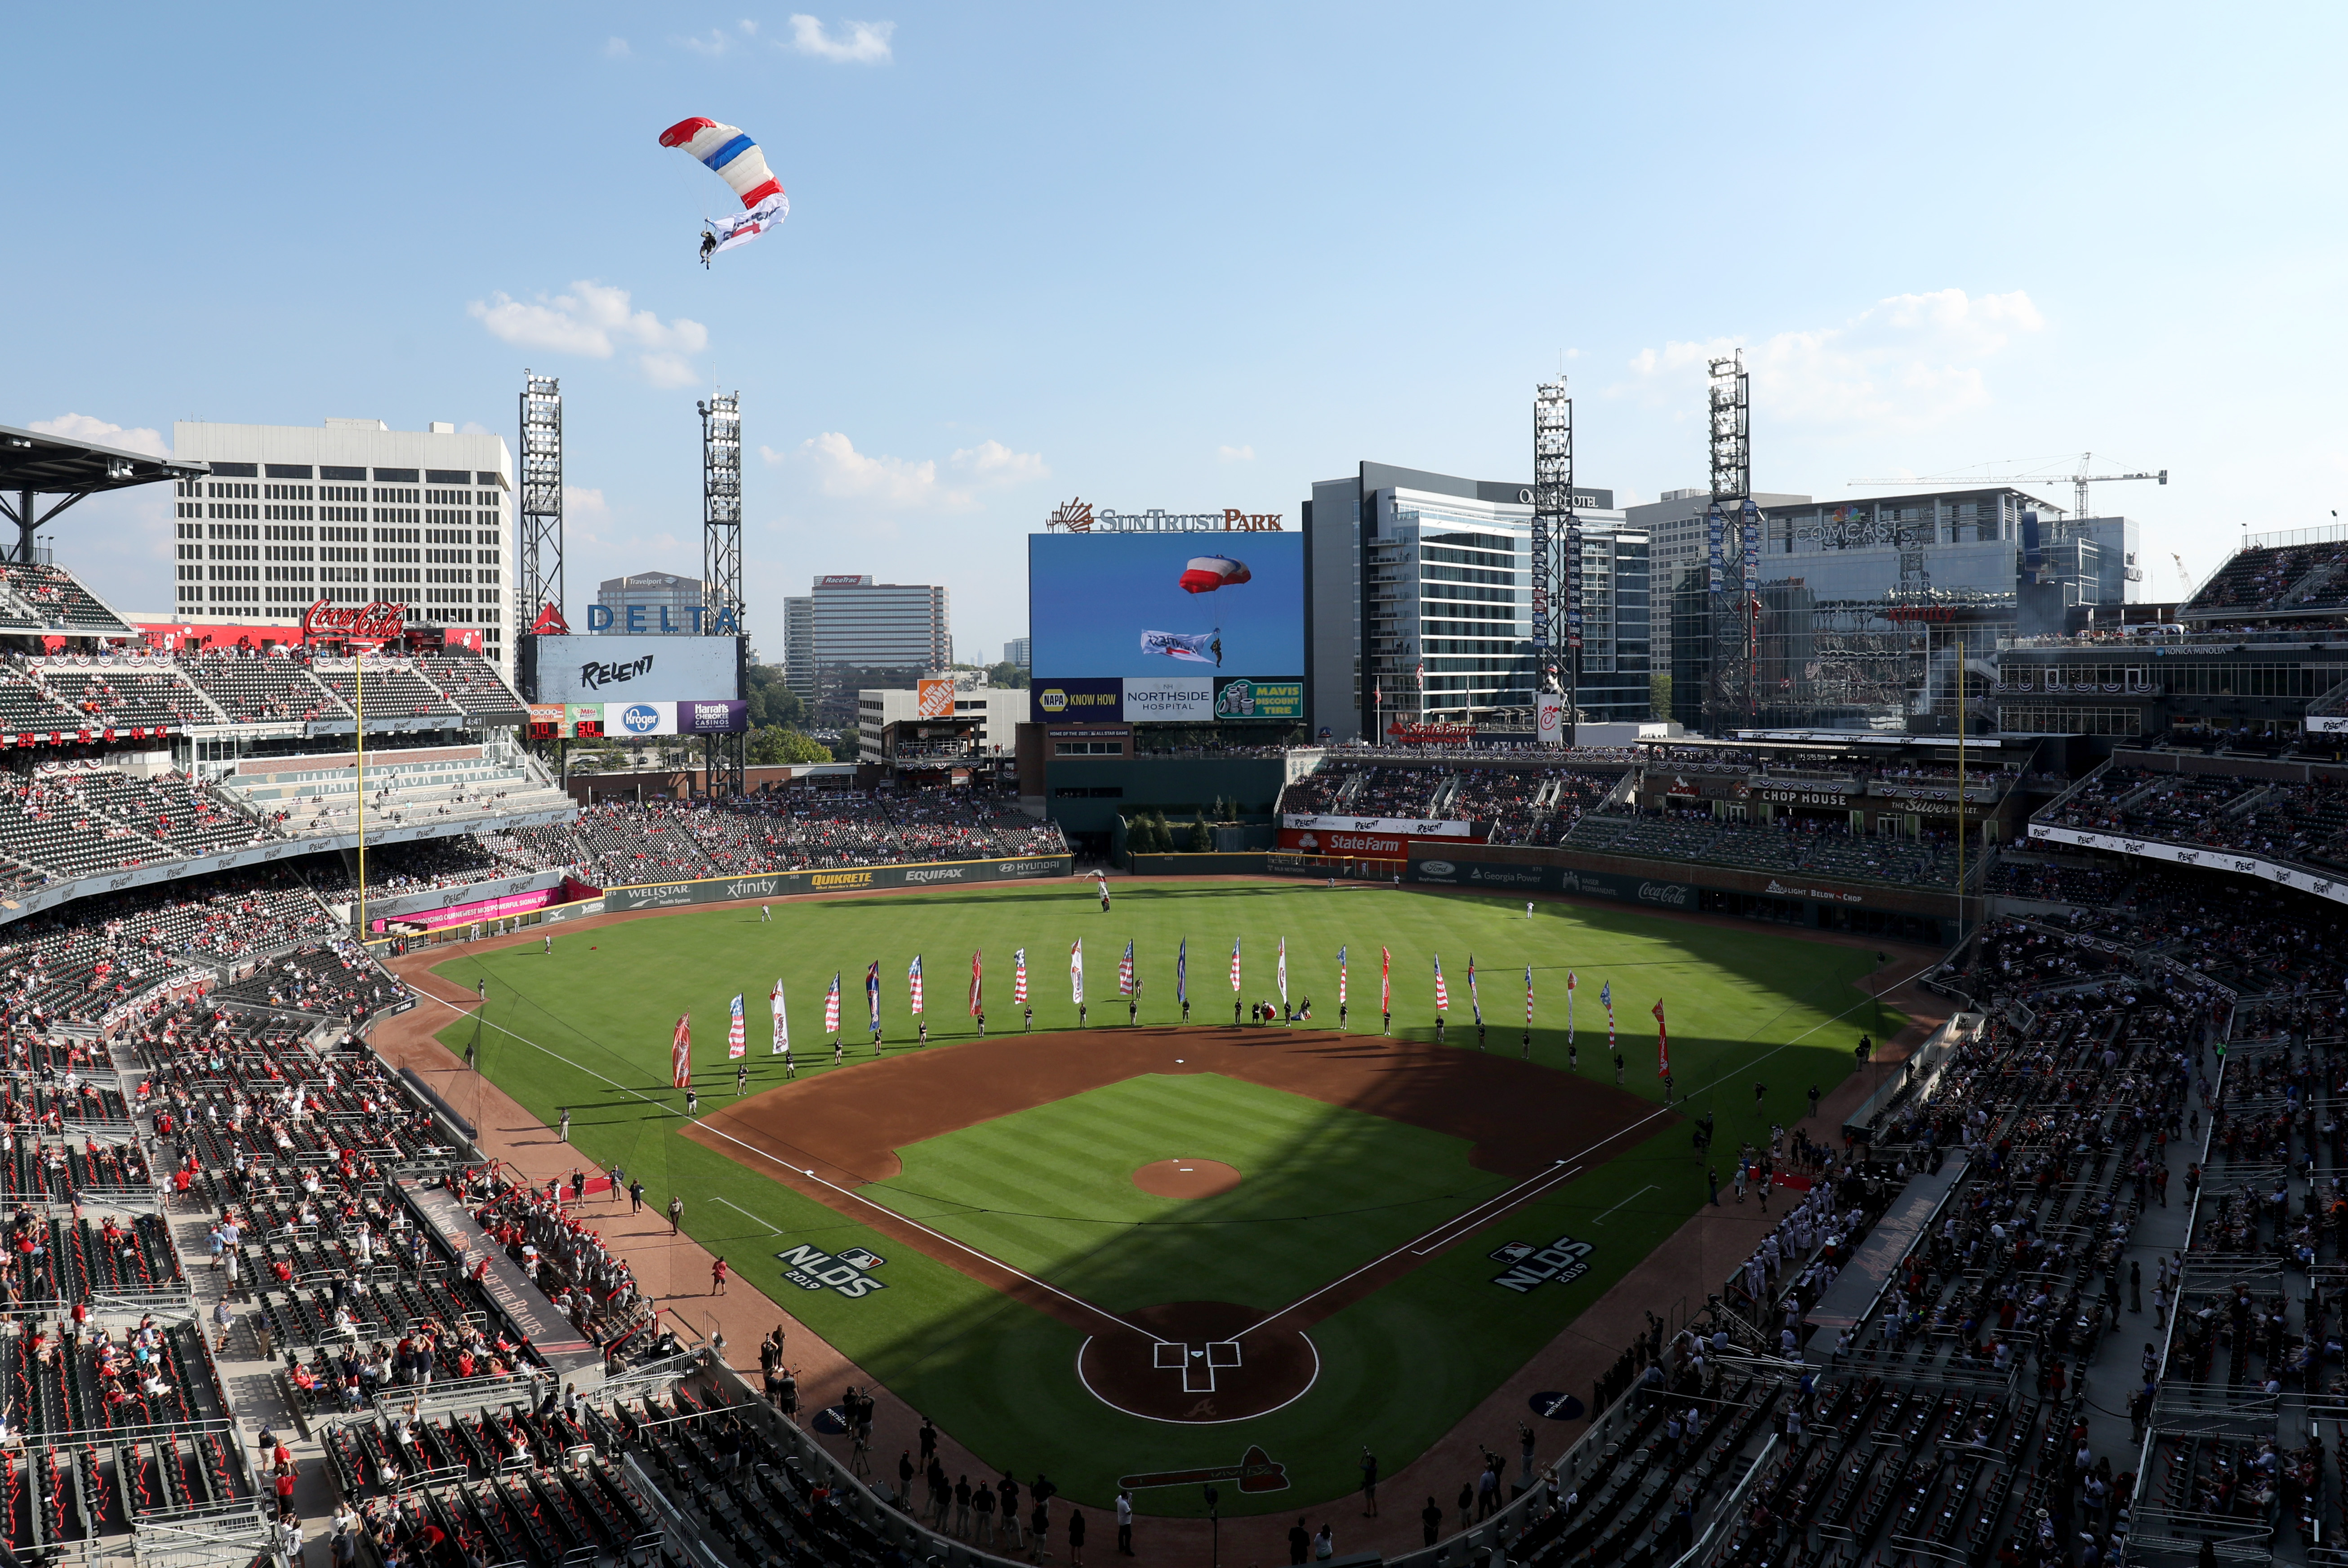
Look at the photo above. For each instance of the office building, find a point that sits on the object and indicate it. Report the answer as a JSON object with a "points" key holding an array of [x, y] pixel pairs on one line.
{"points": [[1866, 605], [890, 726], [799, 647], [350, 511], [663, 604], [1675, 526], [1017, 652], [1418, 602], [863, 625]]}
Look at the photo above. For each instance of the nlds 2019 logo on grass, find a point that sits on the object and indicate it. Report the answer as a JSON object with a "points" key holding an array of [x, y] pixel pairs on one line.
{"points": [[810, 1269], [1563, 1260]]}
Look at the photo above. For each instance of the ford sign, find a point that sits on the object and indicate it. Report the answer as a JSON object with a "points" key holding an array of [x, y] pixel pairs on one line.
{"points": [[1438, 869]]}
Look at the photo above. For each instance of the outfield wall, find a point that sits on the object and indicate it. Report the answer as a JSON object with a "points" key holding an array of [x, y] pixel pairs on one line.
{"points": [[1780, 898], [846, 879]]}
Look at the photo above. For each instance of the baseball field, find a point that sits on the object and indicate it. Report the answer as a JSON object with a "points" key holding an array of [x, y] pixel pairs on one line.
{"points": [[1115, 1250]]}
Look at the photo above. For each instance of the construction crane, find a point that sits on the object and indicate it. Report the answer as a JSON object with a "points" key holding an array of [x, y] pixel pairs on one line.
{"points": [[2078, 479], [2184, 575]]}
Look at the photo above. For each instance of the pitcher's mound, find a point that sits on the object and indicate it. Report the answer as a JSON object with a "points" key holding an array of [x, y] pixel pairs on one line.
{"points": [[1197, 1362], [1186, 1178]]}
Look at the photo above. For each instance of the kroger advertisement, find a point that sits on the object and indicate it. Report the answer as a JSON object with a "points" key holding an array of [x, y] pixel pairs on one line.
{"points": [[1164, 610], [578, 720]]}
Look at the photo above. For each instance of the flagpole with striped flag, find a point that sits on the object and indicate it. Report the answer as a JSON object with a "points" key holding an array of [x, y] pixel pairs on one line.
{"points": [[1341, 987], [736, 1044], [914, 982], [1125, 970], [680, 1053], [1019, 978], [1280, 970], [978, 984], [1182, 978], [1663, 1043], [782, 1021], [831, 1009]]}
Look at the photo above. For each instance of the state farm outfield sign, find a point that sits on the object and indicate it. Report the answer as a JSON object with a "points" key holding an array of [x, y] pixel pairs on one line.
{"points": [[851, 879]]}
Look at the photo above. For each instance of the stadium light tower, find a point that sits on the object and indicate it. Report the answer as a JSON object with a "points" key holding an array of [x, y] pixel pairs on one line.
{"points": [[1556, 553], [721, 568]]}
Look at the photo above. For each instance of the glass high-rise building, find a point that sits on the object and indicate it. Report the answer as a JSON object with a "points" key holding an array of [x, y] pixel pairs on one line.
{"points": [[1418, 603]]}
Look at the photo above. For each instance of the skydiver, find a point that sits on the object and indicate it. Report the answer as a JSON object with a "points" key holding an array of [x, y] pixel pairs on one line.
{"points": [[708, 246]]}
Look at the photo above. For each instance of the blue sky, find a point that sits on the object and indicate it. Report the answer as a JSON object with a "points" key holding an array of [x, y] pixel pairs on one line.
{"points": [[1188, 257]]}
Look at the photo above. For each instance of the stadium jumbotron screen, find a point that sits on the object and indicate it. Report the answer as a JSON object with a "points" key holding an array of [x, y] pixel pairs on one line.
{"points": [[1153, 606]]}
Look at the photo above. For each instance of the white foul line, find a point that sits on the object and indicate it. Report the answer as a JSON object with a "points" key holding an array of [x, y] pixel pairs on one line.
{"points": [[807, 1174], [1522, 1192], [1088, 1306], [1639, 1193]]}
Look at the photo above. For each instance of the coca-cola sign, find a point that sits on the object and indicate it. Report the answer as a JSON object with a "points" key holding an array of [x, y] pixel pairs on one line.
{"points": [[378, 622]]}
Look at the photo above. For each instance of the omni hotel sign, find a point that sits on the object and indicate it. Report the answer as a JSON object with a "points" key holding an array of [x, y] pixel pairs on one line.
{"points": [[1077, 517]]}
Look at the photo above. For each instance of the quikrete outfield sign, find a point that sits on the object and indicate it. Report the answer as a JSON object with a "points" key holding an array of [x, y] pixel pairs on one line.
{"points": [[1564, 1261], [849, 1273], [850, 879]]}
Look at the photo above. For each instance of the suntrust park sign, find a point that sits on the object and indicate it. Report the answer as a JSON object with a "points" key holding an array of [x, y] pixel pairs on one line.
{"points": [[1077, 517]]}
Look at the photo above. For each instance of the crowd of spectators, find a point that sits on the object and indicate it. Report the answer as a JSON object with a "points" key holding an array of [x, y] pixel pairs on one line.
{"points": [[1788, 844]]}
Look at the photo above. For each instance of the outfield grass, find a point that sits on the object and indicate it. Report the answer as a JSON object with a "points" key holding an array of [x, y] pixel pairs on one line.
{"points": [[1050, 1191], [588, 1026]]}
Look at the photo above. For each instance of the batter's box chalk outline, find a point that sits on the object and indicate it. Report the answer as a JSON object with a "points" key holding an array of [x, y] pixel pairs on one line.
{"points": [[1167, 1357], [1223, 1353]]}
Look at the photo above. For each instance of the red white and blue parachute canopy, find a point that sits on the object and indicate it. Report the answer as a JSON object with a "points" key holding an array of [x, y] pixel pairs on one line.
{"points": [[733, 156], [1208, 572]]}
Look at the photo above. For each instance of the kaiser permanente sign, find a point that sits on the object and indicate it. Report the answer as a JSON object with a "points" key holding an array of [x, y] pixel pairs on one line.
{"points": [[2331, 888]]}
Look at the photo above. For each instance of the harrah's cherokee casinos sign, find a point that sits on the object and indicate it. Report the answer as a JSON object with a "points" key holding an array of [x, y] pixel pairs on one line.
{"points": [[374, 623]]}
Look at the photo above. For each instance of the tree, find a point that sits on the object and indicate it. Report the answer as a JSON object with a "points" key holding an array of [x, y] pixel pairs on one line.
{"points": [[772, 745], [772, 702], [1659, 694], [1006, 674], [1202, 837]]}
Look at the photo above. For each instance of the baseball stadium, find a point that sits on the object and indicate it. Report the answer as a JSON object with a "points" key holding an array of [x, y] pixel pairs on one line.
{"points": [[1152, 1127]]}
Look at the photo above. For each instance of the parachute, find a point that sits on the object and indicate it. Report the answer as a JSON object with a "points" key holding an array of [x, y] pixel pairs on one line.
{"points": [[1208, 572], [736, 159]]}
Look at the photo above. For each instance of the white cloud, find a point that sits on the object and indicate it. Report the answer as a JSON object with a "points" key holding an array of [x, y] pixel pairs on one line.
{"points": [[87, 428], [1905, 362], [474, 427], [992, 462], [1235, 454], [714, 44], [615, 49], [595, 320], [844, 473], [749, 28], [861, 43]]}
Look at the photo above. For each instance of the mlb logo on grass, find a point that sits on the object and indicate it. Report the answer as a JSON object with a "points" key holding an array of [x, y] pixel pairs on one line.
{"points": [[811, 1269]]}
